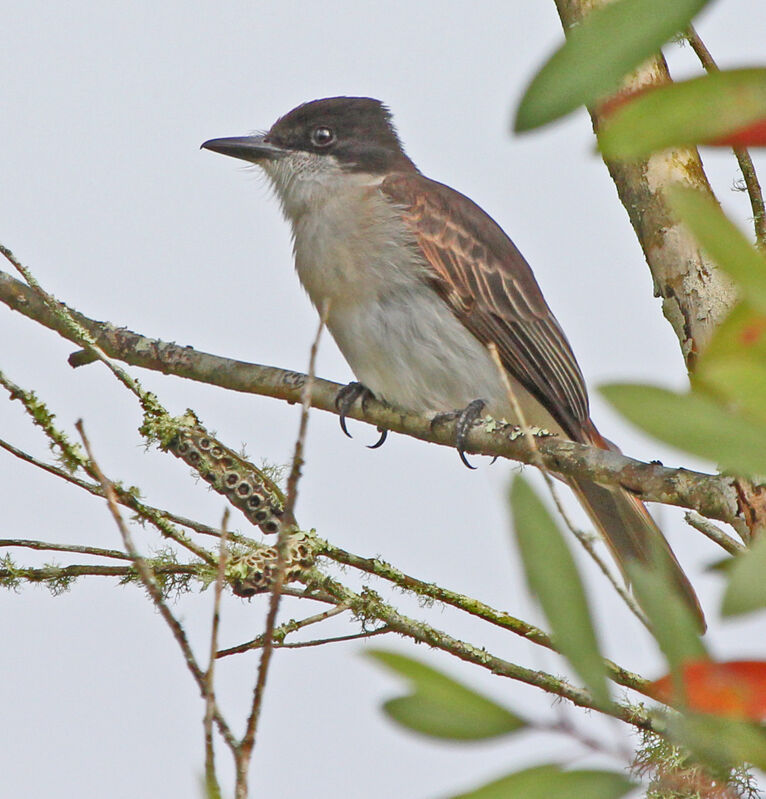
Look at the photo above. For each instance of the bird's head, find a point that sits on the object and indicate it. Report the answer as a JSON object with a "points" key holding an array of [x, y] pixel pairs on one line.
{"points": [[321, 147]]}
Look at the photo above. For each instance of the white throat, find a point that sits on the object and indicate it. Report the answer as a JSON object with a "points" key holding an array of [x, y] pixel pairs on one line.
{"points": [[304, 182]]}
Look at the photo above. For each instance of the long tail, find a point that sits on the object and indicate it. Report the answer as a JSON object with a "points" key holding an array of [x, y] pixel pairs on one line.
{"points": [[629, 530]]}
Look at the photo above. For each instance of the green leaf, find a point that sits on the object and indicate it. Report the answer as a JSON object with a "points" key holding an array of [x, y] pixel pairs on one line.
{"points": [[746, 590], [554, 580], [550, 782], [698, 111], [693, 423], [442, 707], [721, 743], [674, 625], [723, 241], [742, 332], [733, 365], [740, 381], [611, 41], [721, 566]]}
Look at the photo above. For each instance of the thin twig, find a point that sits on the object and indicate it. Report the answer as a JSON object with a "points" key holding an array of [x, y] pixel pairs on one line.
{"points": [[565, 726], [81, 333], [714, 533], [211, 780], [52, 574], [248, 740], [584, 539], [740, 153], [297, 462], [147, 578], [474, 607], [204, 529], [369, 605], [334, 640], [279, 633], [49, 547]]}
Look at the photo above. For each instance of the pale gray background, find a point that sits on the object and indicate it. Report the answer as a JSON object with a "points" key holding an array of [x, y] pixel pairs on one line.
{"points": [[107, 197]]}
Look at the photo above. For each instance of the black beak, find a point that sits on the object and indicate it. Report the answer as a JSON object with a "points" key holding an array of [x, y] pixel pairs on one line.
{"points": [[248, 148]]}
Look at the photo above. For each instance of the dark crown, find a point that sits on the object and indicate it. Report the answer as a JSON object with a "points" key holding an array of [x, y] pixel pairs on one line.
{"points": [[361, 134]]}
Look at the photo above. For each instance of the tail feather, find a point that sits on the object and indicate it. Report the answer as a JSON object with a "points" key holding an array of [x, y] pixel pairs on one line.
{"points": [[629, 530]]}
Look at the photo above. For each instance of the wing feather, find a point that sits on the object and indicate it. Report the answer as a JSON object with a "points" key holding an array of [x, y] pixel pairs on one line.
{"points": [[484, 278]]}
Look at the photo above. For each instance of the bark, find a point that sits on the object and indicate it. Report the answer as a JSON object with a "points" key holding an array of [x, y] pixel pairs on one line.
{"points": [[714, 496]]}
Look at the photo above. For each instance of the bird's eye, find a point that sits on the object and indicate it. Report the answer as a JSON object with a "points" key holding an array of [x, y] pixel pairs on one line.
{"points": [[322, 136]]}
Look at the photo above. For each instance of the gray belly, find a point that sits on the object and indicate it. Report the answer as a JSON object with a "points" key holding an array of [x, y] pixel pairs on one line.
{"points": [[409, 349]]}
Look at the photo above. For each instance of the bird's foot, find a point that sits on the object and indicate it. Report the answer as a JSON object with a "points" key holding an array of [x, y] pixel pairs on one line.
{"points": [[466, 418], [346, 397]]}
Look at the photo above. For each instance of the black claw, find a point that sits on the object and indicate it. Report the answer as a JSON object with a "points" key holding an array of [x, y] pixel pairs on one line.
{"points": [[345, 398], [465, 421], [383, 436]]}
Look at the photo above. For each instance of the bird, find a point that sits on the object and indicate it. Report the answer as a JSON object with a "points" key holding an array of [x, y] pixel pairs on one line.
{"points": [[417, 283]]}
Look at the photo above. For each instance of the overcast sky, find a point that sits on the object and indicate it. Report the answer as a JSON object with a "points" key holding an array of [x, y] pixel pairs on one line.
{"points": [[107, 197]]}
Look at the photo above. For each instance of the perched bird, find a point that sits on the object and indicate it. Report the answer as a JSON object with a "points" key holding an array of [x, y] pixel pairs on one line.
{"points": [[418, 281]]}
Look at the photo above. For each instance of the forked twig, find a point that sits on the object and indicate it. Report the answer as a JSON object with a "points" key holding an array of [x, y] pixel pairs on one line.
{"points": [[279, 633], [211, 780], [714, 533], [245, 750]]}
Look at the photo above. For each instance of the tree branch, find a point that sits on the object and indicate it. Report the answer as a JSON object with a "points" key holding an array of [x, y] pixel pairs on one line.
{"points": [[46, 546], [714, 496], [279, 634], [714, 533], [60, 577], [696, 295], [368, 604], [467, 604]]}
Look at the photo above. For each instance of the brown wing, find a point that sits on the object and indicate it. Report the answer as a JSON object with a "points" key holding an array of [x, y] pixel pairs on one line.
{"points": [[479, 272]]}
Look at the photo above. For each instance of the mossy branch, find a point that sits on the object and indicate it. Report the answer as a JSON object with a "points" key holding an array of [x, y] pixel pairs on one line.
{"points": [[713, 496]]}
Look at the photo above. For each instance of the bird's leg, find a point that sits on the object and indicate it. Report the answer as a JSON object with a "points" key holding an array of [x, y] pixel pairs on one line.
{"points": [[346, 397], [466, 417]]}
